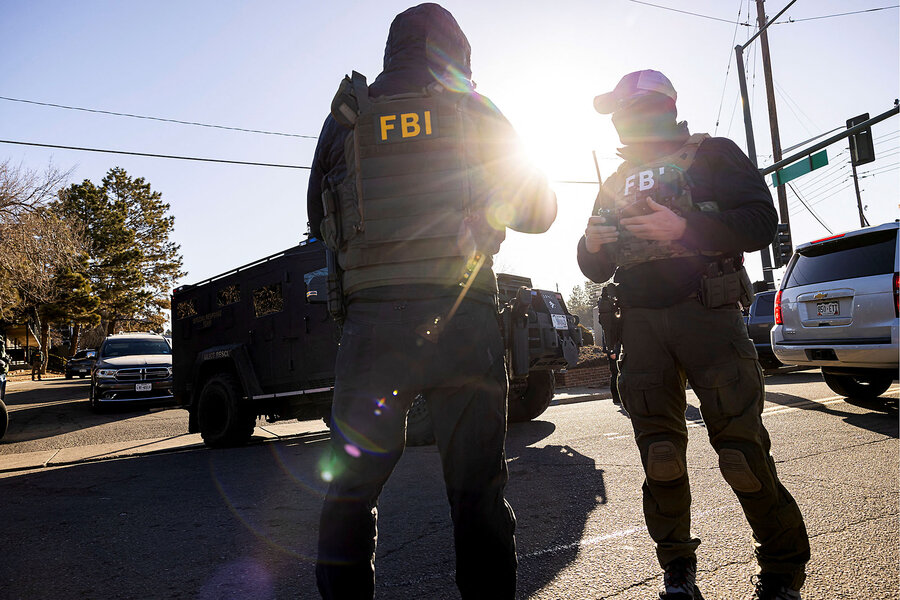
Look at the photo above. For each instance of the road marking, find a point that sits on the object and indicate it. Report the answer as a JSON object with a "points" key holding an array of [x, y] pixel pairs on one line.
{"points": [[598, 539], [810, 403], [15, 407]]}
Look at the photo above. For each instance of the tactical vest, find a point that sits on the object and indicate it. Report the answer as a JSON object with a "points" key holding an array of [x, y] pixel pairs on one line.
{"points": [[663, 180], [399, 215]]}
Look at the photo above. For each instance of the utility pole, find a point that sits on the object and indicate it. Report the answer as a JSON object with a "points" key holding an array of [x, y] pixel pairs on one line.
{"points": [[862, 217], [748, 125], [770, 96]]}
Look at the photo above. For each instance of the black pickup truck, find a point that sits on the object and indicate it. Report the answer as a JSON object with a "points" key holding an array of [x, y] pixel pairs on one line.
{"points": [[258, 341]]}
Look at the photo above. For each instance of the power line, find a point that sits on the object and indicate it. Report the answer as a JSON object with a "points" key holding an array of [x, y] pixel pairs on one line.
{"points": [[809, 208], [688, 13], [747, 24], [213, 160], [856, 12], [728, 67], [121, 114]]}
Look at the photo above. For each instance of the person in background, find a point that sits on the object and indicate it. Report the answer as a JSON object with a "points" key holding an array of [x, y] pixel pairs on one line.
{"points": [[5, 361], [37, 361]]}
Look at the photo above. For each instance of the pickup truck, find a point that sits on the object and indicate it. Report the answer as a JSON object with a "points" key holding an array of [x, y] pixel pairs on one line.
{"points": [[258, 341]]}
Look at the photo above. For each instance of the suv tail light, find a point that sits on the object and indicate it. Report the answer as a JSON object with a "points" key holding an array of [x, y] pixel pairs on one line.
{"points": [[897, 294], [778, 303]]}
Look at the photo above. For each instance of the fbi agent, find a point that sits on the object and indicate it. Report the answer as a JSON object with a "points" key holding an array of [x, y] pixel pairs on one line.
{"points": [[672, 223], [414, 180]]}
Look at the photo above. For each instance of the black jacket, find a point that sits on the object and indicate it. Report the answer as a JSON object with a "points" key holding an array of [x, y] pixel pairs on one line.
{"points": [[424, 43], [747, 222]]}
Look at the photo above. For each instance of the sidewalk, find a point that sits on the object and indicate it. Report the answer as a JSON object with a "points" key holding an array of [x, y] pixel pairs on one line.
{"points": [[28, 461]]}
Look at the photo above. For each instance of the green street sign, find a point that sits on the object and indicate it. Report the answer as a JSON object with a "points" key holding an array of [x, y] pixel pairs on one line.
{"points": [[801, 167]]}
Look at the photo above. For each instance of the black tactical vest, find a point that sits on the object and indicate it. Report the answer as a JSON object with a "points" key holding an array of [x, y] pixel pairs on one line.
{"points": [[399, 216]]}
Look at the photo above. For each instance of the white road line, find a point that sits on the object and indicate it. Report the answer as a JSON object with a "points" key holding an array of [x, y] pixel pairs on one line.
{"points": [[812, 402], [599, 539]]}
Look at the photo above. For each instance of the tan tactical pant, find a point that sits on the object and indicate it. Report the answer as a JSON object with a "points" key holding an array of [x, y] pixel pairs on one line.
{"points": [[663, 348]]}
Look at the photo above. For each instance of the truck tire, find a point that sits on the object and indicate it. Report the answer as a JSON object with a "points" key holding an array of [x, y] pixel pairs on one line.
{"points": [[864, 387], [419, 424], [222, 420], [4, 419], [529, 402], [92, 399]]}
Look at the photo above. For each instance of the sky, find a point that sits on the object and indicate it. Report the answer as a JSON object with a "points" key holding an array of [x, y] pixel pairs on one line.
{"points": [[275, 65]]}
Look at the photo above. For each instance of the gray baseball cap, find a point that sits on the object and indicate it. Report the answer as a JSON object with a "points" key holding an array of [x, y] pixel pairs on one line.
{"points": [[632, 85]]}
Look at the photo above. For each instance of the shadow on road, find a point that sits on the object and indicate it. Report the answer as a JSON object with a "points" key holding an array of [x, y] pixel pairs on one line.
{"points": [[243, 522], [238, 523], [553, 489], [882, 418]]}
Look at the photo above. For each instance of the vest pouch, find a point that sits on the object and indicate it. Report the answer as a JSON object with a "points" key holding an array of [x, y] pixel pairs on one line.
{"points": [[348, 206], [718, 289], [328, 226], [328, 231], [344, 106]]}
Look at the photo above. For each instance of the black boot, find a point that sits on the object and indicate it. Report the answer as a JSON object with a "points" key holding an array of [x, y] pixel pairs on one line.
{"points": [[679, 580], [772, 586]]}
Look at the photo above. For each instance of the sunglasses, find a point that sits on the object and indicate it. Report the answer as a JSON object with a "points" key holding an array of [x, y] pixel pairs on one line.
{"points": [[644, 101]]}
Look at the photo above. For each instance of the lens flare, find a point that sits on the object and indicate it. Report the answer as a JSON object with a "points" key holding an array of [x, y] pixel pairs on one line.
{"points": [[352, 450], [500, 215]]}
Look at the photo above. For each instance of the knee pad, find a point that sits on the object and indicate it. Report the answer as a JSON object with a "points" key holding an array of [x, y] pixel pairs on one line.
{"points": [[736, 471], [664, 462]]}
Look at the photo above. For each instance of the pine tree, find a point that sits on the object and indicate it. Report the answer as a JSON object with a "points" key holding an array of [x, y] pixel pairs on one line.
{"points": [[132, 262], [581, 305], [75, 304]]}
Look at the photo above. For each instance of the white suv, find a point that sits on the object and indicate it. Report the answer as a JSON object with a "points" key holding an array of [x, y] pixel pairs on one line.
{"points": [[838, 309]]}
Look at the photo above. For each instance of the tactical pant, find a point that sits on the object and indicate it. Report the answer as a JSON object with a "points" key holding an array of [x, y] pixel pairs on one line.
{"points": [[710, 349], [382, 364]]}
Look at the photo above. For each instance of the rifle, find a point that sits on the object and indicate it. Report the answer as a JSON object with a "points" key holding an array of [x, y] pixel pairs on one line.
{"points": [[336, 305]]}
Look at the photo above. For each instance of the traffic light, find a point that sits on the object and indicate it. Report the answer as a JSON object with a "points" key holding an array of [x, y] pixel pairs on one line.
{"points": [[781, 247], [862, 148]]}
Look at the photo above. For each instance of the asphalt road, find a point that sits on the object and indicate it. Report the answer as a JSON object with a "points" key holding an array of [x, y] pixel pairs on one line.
{"points": [[55, 413], [241, 523]]}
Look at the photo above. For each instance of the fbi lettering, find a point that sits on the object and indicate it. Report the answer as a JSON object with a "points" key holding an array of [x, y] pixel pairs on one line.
{"points": [[404, 126]]}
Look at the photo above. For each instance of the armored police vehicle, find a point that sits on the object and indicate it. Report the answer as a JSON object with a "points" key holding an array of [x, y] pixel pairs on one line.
{"points": [[258, 341]]}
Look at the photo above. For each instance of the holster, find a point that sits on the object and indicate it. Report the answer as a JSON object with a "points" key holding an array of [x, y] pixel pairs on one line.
{"points": [[724, 284], [610, 318]]}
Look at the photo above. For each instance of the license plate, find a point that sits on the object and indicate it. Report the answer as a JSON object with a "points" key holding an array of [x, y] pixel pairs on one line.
{"points": [[828, 309], [143, 387], [559, 321]]}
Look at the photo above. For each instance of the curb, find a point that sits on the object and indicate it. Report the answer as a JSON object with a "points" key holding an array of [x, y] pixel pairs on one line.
{"points": [[43, 459]]}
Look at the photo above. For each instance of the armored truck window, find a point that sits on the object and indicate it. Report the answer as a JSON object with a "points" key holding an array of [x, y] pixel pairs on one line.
{"points": [[268, 300], [228, 295], [185, 309]]}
